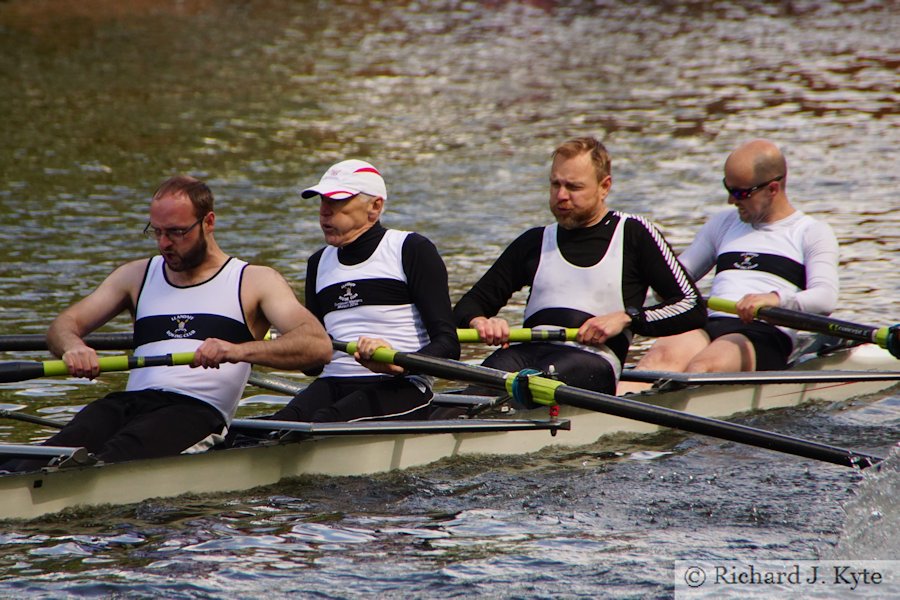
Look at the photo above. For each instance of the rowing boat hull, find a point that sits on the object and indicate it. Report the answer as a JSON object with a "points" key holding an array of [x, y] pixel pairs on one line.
{"points": [[31, 495]]}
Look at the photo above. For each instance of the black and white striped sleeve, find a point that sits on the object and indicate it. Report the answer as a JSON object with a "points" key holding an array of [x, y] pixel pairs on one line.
{"points": [[650, 263]]}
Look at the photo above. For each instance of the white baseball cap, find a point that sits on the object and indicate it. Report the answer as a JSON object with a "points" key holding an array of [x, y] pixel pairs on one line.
{"points": [[346, 179]]}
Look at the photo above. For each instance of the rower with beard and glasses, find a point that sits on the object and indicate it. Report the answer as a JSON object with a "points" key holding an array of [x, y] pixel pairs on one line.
{"points": [[766, 253], [590, 270], [192, 297]]}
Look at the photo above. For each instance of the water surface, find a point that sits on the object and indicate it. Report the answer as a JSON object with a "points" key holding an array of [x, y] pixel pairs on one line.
{"points": [[459, 104]]}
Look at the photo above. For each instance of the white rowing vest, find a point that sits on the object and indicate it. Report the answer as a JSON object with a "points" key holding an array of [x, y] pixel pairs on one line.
{"points": [[173, 319], [561, 287], [369, 299]]}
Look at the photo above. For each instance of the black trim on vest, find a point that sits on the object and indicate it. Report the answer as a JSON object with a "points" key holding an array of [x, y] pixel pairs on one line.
{"points": [[201, 326], [558, 317], [141, 289], [574, 319], [787, 269], [363, 292]]}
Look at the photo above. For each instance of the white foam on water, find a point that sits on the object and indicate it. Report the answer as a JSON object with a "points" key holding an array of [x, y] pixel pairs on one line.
{"points": [[873, 515]]}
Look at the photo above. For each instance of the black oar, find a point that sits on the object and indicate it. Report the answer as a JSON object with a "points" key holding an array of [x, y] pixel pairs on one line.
{"points": [[758, 377], [22, 342], [26, 418], [886, 337], [549, 391], [23, 370]]}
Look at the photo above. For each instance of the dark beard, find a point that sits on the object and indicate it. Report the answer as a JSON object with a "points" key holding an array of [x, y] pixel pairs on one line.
{"points": [[193, 258]]}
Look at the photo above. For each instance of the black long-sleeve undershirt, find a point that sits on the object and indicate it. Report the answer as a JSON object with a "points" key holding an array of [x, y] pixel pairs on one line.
{"points": [[648, 263], [427, 282]]}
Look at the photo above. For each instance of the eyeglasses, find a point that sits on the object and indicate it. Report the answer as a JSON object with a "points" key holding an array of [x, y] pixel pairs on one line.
{"points": [[174, 233], [744, 193]]}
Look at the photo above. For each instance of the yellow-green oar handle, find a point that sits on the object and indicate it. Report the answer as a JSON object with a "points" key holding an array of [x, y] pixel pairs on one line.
{"points": [[813, 322], [722, 305], [382, 355], [23, 370], [470, 336]]}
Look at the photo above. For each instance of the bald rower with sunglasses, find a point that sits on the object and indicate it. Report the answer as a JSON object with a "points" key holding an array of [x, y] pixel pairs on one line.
{"points": [[766, 253]]}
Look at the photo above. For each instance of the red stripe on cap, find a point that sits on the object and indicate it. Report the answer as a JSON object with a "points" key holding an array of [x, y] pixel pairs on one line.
{"points": [[368, 170], [336, 192]]}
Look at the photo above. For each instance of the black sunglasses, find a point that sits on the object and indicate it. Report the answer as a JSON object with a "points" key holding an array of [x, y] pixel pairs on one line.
{"points": [[744, 193]]}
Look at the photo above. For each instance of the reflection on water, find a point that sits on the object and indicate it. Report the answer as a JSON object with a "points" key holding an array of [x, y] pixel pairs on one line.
{"points": [[459, 106], [459, 103]]}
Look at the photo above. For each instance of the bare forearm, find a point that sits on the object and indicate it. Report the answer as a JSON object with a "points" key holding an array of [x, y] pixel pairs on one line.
{"points": [[295, 350], [63, 334]]}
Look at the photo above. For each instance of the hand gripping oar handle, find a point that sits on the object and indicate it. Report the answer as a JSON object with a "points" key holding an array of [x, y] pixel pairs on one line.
{"points": [[468, 336], [549, 391], [23, 370], [886, 337]]}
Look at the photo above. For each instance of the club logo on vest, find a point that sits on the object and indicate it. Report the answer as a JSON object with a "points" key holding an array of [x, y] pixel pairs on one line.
{"points": [[181, 329], [349, 298], [747, 262]]}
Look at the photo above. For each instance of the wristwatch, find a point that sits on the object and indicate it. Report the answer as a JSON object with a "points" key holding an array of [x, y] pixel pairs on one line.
{"points": [[634, 313]]}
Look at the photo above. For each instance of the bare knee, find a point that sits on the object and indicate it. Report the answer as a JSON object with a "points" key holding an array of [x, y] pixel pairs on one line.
{"points": [[729, 353], [671, 353], [674, 353]]}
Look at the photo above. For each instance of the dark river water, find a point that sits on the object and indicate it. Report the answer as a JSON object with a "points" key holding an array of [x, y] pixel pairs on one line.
{"points": [[459, 104]]}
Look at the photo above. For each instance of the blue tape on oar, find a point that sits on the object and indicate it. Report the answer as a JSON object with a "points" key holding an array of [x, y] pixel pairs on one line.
{"points": [[521, 392]]}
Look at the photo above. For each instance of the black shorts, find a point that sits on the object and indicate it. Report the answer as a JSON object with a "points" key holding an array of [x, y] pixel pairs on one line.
{"points": [[140, 424], [330, 399], [133, 424], [571, 365], [772, 346]]}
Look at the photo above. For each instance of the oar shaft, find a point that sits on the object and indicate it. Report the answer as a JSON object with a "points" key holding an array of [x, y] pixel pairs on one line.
{"points": [[25, 342], [810, 322], [437, 367], [26, 418], [734, 432]]}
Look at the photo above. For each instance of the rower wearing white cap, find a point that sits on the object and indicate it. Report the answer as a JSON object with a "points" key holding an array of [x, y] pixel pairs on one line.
{"points": [[380, 287]]}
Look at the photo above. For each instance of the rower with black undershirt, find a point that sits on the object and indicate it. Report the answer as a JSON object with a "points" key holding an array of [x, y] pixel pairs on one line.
{"points": [[379, 287], [590, 270], [765, 253]]}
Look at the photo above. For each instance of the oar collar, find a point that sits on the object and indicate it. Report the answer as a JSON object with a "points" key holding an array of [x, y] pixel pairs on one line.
{"points": [[893, 340]]}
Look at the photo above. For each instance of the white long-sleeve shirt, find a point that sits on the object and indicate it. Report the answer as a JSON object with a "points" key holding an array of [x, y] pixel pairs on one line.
{"points": [[797, 257]]}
